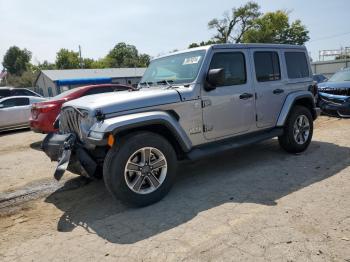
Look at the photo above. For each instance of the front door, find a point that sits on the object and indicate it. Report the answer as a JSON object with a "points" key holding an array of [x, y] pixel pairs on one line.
{"points": [[229, 109], [269, 86]]}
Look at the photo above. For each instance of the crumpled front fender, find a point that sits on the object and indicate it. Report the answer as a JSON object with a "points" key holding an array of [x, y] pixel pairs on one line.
{"points": [[121, 123]]}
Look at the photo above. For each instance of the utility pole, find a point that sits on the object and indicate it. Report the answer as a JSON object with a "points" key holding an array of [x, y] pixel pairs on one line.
{"points": [[80, 59]]}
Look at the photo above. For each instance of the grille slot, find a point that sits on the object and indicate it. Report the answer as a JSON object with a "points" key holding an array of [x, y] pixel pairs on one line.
{"points": [[70, 120], [336, 91]]}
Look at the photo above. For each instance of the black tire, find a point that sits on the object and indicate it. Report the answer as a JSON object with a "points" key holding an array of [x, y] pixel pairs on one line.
{"points": [[117, 158], [287, 140]]}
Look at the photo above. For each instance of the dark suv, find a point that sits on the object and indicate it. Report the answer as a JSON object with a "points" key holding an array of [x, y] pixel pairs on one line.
{"points": [[12, 91]]}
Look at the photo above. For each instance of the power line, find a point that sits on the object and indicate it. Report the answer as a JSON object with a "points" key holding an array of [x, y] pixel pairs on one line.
{"points": [[329, 37]]}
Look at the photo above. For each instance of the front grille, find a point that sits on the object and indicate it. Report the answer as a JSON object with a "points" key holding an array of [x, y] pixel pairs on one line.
{"points": [[70, 120], [335, 91]]}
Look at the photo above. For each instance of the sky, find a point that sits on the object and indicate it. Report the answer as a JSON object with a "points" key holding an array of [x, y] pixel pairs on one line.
{"points": [[153, 26]]}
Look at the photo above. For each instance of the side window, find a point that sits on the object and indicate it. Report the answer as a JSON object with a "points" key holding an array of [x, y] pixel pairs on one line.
{"points": [[4, 93], [233, 64], [267, 66], [297, 66], [16, 102], [99, 90], [22, 92]]}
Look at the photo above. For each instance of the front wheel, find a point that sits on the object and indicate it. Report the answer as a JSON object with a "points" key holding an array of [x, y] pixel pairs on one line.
{"points": [[298, 130], [140, 169]]}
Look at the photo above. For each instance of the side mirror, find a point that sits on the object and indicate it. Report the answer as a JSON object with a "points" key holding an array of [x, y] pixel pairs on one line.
{"points": [[1, 106], [215, 77]]}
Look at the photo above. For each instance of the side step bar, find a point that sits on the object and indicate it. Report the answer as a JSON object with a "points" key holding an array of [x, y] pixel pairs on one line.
{"points": [[232, 143]]}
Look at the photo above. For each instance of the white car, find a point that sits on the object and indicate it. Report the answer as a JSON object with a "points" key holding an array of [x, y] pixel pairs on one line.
{"points": [[15, 111]]}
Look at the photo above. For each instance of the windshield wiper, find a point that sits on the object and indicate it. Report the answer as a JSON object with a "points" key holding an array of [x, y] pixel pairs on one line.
{"points": [[166, 82], [148, 84]]}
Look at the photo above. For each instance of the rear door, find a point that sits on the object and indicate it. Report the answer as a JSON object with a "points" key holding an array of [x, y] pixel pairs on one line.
{"points": [[269, 86], [229, 109]]}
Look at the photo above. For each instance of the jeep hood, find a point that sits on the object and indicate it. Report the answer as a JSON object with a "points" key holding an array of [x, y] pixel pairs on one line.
{"points": [[126, 100]]}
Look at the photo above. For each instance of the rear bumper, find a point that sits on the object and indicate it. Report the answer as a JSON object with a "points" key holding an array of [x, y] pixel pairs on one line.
{"points": [[38, 126]]}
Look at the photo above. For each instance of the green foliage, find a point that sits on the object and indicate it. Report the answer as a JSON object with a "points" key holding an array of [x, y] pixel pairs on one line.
{"points": [[25, 80], [234, 24], [144, 60], [66, 59], [274, 27], [203, 43], [16, 60], [88, 63], [124, 55], [246, 24], [46, 66]]}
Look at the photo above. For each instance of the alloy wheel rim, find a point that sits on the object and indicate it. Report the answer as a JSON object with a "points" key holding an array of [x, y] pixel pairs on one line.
{"points": [[145, 170], [301, 129]]}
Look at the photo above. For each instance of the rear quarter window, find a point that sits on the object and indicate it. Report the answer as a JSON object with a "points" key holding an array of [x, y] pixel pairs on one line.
{"points": [[297, 65]]}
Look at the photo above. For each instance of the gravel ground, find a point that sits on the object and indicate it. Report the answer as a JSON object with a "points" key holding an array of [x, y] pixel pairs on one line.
{"points": [[253, 204]]}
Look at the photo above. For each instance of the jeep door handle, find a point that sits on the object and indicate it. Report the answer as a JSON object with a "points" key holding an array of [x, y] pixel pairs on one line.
{"points": [[278, 91], [245, 96]]}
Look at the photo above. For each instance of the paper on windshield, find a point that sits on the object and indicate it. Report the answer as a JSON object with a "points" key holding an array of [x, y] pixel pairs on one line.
{"points": [[191, 60]]}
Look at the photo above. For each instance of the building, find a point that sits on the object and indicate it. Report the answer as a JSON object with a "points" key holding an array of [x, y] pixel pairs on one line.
{"points": [[53, 82], [328, 68]]}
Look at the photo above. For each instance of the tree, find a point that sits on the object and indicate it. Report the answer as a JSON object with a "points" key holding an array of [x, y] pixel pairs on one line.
{"points": [[66, 59], [144, 60], [46, 66], [88, 63], [233, 25], [16, 60], [203, 43], [274, 27], [124, 55], [25, 80]]}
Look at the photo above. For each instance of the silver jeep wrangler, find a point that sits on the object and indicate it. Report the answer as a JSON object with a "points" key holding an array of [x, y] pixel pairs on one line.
{"points": [[188, 105]]}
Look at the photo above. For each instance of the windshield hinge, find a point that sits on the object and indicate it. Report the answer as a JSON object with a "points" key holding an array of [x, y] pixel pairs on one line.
{"points": [[206, 103], [207, 128]]}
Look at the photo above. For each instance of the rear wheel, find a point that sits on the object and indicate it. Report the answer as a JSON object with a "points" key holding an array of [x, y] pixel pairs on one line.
{"points": [[140, 170], [298, 130]]}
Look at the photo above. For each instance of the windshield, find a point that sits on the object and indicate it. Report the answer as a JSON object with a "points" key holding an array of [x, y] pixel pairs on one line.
{"points": [[340, 76], [175, 69]]}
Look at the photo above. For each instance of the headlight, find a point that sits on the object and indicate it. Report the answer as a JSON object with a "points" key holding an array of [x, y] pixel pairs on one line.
{"points": [[96, 135]]}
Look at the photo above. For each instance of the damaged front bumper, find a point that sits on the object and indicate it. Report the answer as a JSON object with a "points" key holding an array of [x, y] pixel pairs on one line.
{"points": [[335, 105], [70, 155]]}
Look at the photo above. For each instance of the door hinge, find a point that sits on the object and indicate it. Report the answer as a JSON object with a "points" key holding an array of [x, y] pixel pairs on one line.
{"points": [[207, 128], [256, 96], [206, 103]]}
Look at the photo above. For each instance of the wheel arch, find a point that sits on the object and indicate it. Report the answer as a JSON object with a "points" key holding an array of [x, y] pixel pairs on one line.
{"points": [[163, 123], [302, 98]]}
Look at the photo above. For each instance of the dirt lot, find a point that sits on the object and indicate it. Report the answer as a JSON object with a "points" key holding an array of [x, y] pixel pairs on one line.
{"points": [[253, 204]]}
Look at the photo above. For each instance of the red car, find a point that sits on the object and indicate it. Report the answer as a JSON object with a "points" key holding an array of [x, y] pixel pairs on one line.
{"points": [[44, 114]]}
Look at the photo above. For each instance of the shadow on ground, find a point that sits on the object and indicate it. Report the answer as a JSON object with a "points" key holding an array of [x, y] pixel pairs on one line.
{"points": [[258, 174], [36, 145], [14, 131]]}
